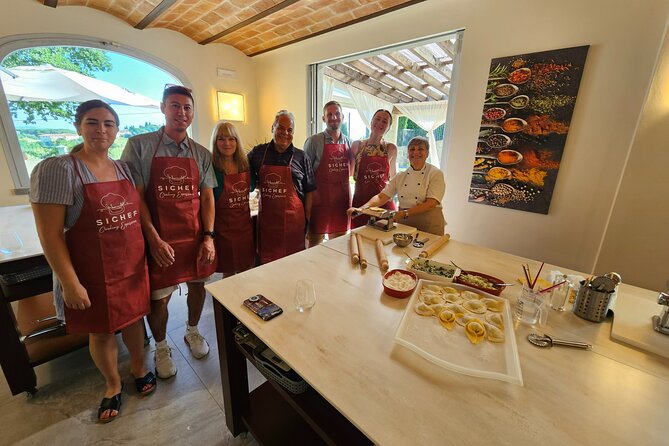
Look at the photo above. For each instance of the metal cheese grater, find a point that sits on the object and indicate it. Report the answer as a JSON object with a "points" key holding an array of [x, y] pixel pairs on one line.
{"points": [[595, 296]]}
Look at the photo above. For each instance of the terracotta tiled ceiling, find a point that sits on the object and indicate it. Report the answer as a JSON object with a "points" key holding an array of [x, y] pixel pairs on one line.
{"points": [[252, 26]]}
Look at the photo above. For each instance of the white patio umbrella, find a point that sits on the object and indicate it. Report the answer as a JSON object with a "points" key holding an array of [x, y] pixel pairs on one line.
{"points": [[43, 83]]}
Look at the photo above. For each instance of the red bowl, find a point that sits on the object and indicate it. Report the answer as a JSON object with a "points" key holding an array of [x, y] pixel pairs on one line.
{"points": [[397, 293], [495, 291]]}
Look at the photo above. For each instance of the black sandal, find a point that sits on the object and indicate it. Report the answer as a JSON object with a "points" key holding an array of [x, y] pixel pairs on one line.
{"points": [[148, 379], [110, 404]]}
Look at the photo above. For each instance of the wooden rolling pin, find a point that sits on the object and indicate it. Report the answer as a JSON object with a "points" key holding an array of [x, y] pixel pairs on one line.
{"points": [[353, 247], [361, 252], [434, 247], [381, 255]]}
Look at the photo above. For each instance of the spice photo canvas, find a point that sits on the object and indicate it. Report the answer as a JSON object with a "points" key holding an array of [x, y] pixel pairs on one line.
{"points": [[527, 110]]}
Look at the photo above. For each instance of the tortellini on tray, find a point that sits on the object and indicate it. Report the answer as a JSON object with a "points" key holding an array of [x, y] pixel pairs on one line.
{"points": [[481, 317]]}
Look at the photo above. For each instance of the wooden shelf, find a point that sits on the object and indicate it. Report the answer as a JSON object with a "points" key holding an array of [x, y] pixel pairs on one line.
{"points": [[272, 421], [330, 425]]}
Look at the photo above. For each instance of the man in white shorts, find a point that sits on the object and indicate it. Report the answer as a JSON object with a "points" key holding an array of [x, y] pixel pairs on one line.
{"points": [[175, 180]]}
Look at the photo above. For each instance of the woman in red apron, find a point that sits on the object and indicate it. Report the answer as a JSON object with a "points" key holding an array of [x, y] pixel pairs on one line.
{"points": [[235, 250], [374, 164], [101, 294]]}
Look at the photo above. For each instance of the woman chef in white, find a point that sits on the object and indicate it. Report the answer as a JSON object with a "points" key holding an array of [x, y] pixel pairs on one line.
{"points": [[420, 189]]}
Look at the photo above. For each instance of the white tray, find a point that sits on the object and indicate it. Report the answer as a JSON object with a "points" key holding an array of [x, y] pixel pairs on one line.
{"points": [[452, 350]]}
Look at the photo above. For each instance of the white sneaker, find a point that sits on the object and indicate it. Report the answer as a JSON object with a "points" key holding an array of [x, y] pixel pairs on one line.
{"points": [[165, 367], [198, 345]]}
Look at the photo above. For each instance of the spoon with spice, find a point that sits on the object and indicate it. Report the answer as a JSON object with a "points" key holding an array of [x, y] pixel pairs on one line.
{"points": [[517, 102], [497, 141], [506, 157]]}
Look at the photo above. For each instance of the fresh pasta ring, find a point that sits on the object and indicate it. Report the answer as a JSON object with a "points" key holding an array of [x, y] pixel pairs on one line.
{"points": [[475, 331]]}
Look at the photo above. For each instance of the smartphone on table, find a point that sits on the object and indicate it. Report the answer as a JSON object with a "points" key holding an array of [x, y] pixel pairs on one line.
{"points": [[263, 307]]}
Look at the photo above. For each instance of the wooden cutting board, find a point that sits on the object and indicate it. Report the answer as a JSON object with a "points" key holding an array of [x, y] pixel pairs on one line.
{"points": [[632, 324], [386, 237]]}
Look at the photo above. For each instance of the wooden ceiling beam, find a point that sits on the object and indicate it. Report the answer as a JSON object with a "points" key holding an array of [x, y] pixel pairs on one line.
{"points": [[419, 71], [386, 79], [373, 83], [400, 72], [157, 12], [443, 67], [360, 86], [247, 22], [448, 47]]}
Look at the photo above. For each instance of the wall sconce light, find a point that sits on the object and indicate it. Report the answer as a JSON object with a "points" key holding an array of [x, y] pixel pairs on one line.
{"points": [[230, 106]]}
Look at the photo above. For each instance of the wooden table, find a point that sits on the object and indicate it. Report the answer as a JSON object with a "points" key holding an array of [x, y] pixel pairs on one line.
{"points": [[344, 348], [21, 304]]}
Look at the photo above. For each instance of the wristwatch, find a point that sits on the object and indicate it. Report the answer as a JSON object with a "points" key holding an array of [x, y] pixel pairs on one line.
{"points": [[211, 234]]}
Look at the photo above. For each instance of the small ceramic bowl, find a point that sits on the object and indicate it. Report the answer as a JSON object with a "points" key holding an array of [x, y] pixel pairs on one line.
{"points": [[400, 294], [401, 239]]}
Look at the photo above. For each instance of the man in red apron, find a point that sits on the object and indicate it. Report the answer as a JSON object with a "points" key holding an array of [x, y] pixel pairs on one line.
{"points": [[330, 155], [286, 180], [174, 177]]}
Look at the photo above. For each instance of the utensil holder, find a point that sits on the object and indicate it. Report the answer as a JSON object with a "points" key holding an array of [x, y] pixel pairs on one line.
{"points": [[591, 305]]}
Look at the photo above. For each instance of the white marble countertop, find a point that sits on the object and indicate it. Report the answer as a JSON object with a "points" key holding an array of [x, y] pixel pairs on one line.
{"points": [[344, 347], [18, 221]]}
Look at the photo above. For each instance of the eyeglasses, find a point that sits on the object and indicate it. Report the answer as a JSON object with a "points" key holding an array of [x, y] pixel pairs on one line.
{"points": [[168, 86]]}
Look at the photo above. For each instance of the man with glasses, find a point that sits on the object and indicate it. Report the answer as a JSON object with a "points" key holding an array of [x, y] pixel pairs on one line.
{"points": [[286, 181], [175, 180], [330, 155]]}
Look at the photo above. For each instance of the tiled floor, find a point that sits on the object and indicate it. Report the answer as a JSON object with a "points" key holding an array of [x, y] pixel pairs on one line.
{"points": [[184, 410]]}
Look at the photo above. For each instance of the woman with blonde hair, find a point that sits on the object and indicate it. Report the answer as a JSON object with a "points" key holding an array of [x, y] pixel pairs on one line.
{"points": [[233, 226]]}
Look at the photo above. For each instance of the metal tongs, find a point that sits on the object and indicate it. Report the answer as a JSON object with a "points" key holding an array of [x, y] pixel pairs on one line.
{"points": [[547, 341]]}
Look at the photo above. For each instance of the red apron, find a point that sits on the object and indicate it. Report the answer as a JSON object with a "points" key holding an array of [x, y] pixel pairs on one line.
{"points": [[174, 201], [280, 214], [108, 229], [233, 225], [333, 195], [372, 178]]}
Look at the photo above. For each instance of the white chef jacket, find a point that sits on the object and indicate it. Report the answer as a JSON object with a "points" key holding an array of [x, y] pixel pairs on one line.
{"points": [[415, 186]]}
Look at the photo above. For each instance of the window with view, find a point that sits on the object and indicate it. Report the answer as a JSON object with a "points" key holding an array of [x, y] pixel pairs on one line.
{"points": [[43, 85], [413, 80]]}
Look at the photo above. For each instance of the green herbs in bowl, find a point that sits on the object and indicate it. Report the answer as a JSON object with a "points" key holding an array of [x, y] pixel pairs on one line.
{"points": [[432, 270]]}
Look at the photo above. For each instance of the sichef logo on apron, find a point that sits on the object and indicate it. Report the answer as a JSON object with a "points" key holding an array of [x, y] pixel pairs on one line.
{"points": [[179, 184], [338, 160], [374, 173], [114, 216], [275, 188], [240, 195]]}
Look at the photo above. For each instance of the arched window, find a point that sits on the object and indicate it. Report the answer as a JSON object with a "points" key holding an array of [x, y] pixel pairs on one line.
{"points": [[45, 78]]}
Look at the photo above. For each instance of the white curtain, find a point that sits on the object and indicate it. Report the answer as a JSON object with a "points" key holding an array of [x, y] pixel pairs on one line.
{"points": [[428, 116], [367, 104], [328, 89]]}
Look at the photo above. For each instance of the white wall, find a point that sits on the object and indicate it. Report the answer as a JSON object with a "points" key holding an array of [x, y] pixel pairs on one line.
{"points": [[624, 39], [197, 62], [637, 239]]}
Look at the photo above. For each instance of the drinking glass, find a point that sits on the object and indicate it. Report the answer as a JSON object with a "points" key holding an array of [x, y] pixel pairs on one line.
{"points": [[531, 307], [305, 295]]}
